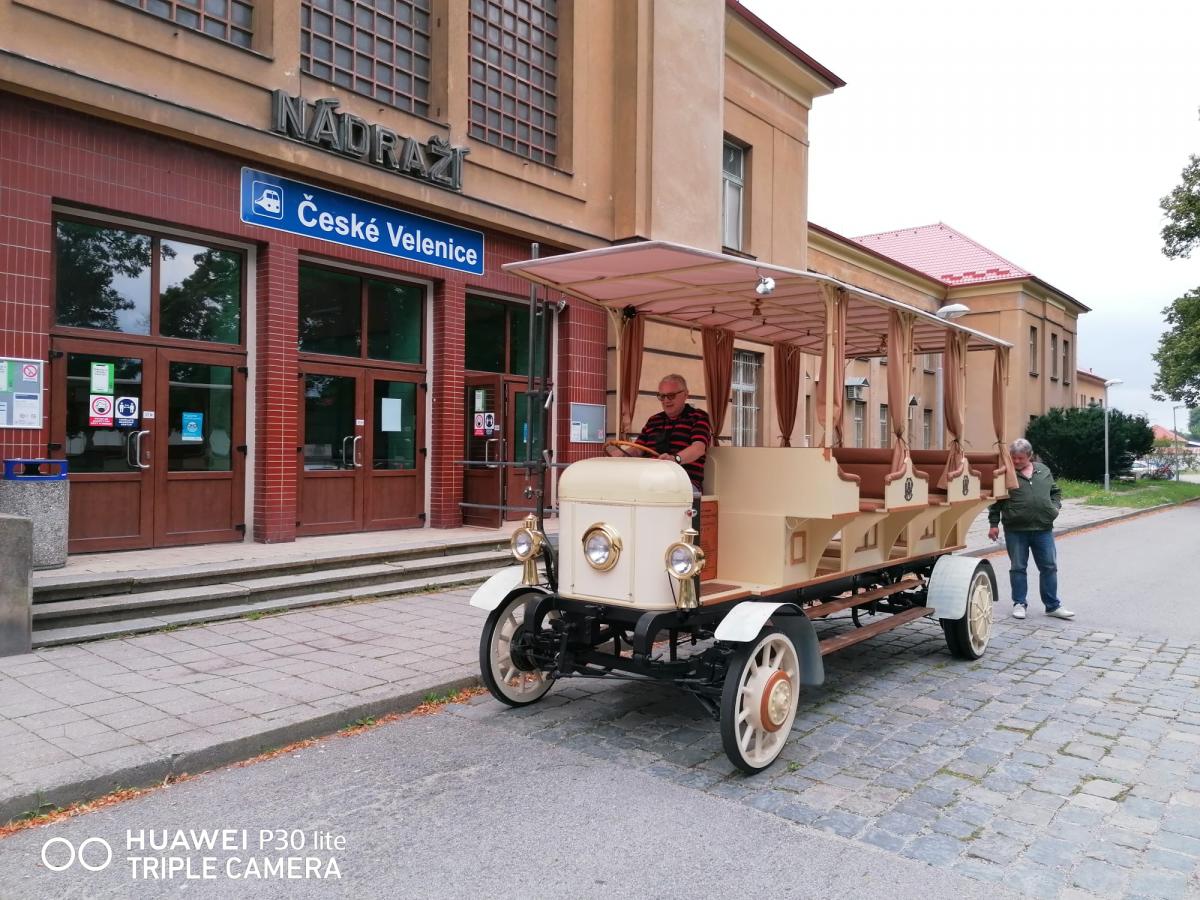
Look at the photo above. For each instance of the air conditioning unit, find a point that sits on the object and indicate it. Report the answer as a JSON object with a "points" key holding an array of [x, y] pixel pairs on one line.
{"points": [[855, 392]]}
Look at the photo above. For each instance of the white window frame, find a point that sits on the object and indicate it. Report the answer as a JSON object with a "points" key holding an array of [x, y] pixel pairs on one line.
{"points": [[746, 388], [1054, 357], [927, 428], [885, 430], [733, 184], [859, 413]]}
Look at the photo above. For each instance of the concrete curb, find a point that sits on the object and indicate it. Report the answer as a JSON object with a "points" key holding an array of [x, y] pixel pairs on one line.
{"points": [[154, 772], [999, 548]]}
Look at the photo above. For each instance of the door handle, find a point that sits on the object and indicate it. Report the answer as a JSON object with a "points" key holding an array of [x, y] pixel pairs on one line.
{"points": [[486, 445], [137, 449], [348, 437], [354, 455]]}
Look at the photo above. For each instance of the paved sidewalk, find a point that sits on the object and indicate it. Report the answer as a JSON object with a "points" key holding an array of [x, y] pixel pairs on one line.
{"points": [[78, 721]]}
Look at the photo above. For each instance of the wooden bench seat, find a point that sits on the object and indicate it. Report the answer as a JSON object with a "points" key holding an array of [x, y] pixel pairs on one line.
{"points": [[932, 463], [989, 468]]}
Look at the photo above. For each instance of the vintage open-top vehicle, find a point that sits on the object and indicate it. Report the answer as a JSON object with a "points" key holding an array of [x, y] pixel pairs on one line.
{"points": [[800, 532]]}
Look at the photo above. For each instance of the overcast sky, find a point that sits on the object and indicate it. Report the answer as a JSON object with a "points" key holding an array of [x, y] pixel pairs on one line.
{"points": [[1047, 131]]}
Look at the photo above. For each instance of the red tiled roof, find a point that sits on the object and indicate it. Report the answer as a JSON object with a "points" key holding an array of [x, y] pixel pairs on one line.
{"points": [[943, 253]]}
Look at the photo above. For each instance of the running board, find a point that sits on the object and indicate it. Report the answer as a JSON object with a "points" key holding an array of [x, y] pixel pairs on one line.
{"points": [[831, 606], [849, 638]]}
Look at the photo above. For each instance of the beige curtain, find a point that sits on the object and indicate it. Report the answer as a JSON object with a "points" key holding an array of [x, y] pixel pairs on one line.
{"points": [[999, 383], [632, 336], [833, 367], [899, 379], [788, 369], [718, 374], [955, 375]]}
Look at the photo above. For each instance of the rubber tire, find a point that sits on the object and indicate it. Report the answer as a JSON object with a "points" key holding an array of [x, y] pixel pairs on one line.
{"points": [[486, 675], [729, 697], [958, 631]]}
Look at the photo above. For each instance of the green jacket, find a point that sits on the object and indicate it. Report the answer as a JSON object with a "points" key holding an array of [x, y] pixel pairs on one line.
{"points": [[1032, 506]]}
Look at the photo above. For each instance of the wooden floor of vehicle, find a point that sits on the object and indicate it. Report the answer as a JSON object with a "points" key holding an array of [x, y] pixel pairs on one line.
{"points": [[714, 592]]}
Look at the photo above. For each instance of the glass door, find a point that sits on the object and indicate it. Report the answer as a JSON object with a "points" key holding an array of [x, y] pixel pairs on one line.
{"points": [[483, 476], [394, 470], [332, 453], [518, 480], [102, 423], [201, 447]]}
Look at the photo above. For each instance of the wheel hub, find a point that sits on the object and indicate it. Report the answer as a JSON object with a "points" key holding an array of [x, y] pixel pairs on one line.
{"points": [[776, 701], [521, 649]]}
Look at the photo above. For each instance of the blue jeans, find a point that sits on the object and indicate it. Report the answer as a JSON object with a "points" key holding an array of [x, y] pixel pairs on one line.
{"points": [[1019, 544]]}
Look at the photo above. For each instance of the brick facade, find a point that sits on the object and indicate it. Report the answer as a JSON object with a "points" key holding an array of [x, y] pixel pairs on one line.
{"points": [[52, 155]]}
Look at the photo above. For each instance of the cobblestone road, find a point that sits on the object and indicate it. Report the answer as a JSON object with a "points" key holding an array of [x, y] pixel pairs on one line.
{"points": [[1065, 763]]}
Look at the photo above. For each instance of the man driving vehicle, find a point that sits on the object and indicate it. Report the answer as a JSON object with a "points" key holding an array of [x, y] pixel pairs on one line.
{"points": [[680, 432]]}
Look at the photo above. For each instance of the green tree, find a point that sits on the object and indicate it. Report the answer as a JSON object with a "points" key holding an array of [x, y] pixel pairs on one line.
{"points": [[1178, 353], [1071, 441], [1194, 422], [1182, 208]]}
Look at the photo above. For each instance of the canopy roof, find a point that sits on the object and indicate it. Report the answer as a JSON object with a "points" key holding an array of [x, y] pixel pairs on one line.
{"points": [[697, 288]]}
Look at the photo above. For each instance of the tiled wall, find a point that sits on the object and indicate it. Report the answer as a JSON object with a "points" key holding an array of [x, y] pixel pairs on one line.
{"points": [[50, 155]]}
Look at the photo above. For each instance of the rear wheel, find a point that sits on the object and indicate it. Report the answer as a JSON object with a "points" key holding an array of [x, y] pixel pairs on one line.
{"points": [[968, 637], [758, 702], [507, 670]]}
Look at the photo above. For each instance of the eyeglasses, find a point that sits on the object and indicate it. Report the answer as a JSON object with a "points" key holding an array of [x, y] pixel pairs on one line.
{"points": [[670, 396]]}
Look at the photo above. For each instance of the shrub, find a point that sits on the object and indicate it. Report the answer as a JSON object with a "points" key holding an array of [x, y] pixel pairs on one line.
{"points": [[1071, 441]]}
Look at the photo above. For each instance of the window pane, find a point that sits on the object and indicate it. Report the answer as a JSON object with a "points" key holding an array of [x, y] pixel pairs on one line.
{"points": [[484, 338], [732, 216], [508, 37], [393, 321], [200, 292], [330, 312], [89, 448], [200, 418], [733, 160], [102, 277], [329, 412], [394, 440]]}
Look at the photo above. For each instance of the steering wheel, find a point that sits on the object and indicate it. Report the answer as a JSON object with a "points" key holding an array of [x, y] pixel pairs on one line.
{"points": [[634, 444]]}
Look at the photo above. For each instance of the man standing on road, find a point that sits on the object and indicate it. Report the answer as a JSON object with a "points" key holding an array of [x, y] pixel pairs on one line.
{"points": [[1029, 512]]}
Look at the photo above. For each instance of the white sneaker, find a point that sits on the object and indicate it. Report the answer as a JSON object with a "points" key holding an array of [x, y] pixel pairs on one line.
{"points": [[1018, 610], [1061, 613]]}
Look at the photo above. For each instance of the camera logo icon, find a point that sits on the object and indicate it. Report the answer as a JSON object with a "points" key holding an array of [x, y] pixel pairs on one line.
{"points": [[94, 854]]}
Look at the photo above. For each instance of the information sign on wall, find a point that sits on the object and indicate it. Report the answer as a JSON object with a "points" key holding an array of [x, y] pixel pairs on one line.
{"points": [[587, 423], [299, 208], [20, 393]]}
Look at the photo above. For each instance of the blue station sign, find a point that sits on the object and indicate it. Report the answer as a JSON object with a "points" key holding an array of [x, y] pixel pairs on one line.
{"points": [[293, 206]]}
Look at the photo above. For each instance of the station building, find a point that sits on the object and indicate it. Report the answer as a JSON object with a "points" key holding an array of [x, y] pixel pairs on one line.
{"points": [[271, 232]]}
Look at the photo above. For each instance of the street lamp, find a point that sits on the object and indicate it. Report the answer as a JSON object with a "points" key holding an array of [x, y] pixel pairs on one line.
{"points": [[1175, 439], [1107, 385]]}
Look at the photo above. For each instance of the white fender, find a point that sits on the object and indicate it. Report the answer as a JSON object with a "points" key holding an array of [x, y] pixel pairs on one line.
{"points": [[747, 619], [950, 585], [490, 594]]}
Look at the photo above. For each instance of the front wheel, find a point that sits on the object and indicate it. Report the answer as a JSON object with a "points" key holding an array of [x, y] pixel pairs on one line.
{"points": [[758, 701], [507, 670], [968, 637]]}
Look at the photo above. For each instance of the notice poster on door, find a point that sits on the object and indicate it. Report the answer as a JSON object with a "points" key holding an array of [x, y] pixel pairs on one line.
{"points": [[391, 414], [127, 412], [103, 378], [100, 411], [192, 431], [478, 425]]}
